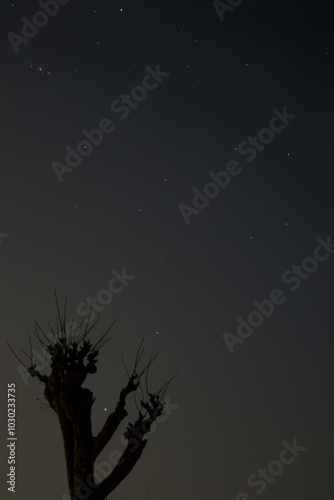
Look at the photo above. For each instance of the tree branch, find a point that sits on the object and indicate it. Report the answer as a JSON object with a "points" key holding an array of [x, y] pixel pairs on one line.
{"points": [[136, 443], [114, 419]]}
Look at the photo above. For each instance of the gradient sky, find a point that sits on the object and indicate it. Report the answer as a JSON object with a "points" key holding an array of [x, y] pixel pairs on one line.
{"points": [[120, 208]]}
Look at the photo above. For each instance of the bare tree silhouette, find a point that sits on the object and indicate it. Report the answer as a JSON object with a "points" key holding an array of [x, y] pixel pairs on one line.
{"points": [[73, 357]]}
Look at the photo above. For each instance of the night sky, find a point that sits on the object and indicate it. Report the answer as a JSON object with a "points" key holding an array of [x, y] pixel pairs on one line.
{"points": [[179, 153]]}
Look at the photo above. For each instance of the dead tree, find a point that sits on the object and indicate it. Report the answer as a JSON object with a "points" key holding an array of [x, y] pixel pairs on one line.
{"points": [[73, 357]]}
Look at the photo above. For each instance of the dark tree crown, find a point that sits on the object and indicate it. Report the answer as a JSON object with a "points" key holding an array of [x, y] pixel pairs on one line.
{"points": [[73, 357]]}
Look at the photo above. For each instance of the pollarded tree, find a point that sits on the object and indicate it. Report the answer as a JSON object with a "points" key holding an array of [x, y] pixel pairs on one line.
{"points": [[73, 357]]}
